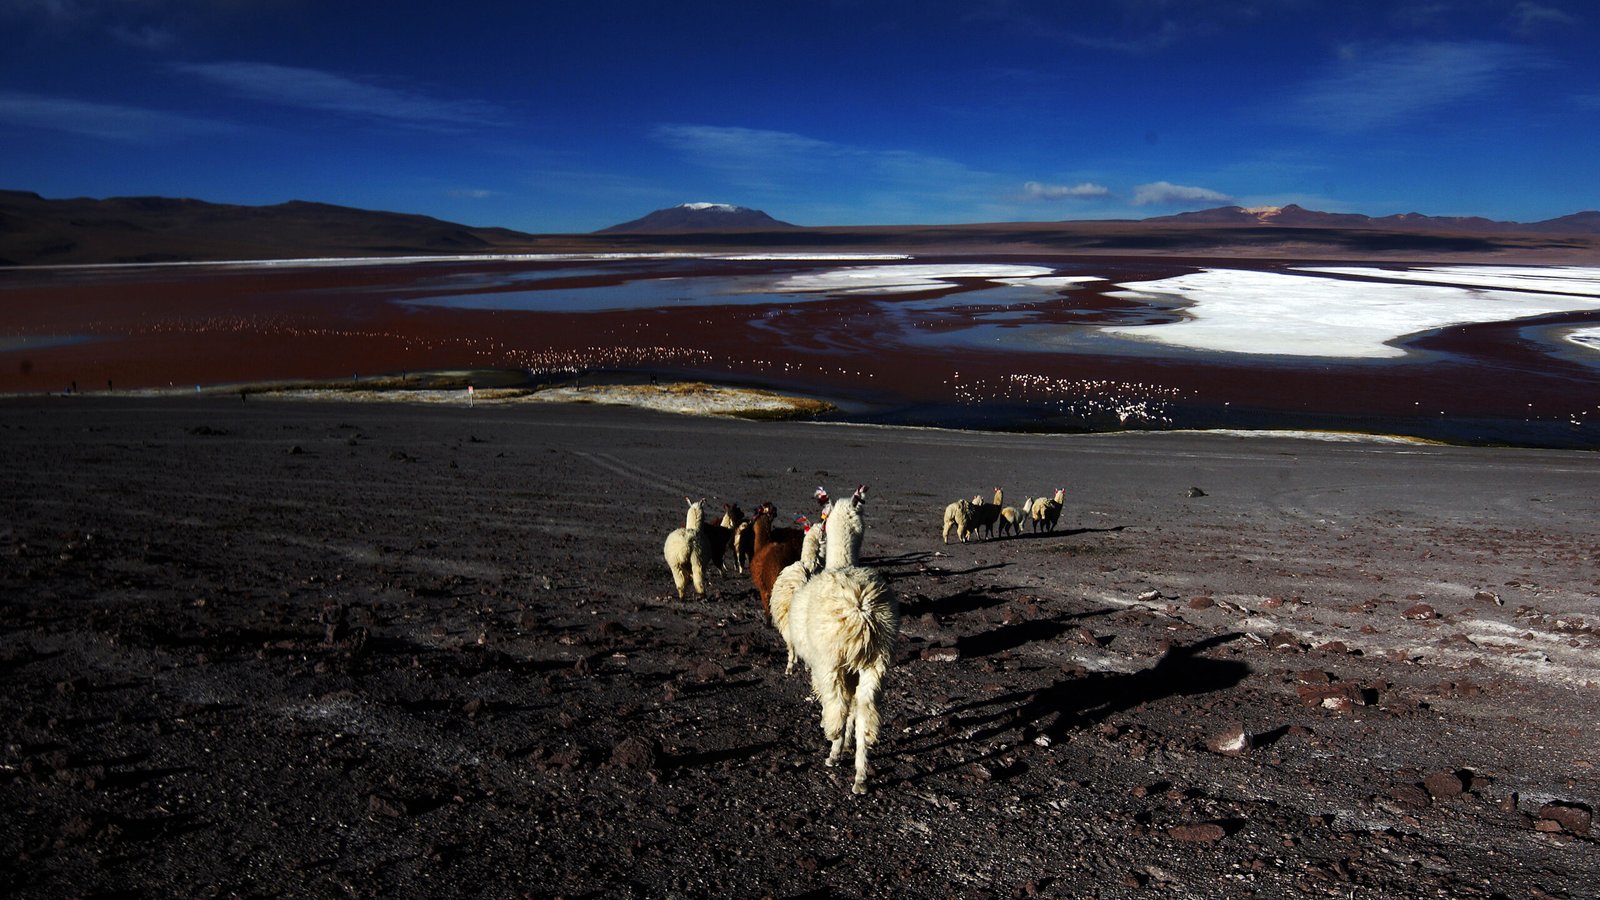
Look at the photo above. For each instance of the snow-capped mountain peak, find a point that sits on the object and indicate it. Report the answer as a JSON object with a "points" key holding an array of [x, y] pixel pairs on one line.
{"points": [[701, 217]]}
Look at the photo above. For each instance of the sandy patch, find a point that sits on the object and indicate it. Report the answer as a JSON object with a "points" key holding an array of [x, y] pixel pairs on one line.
{"points": [[685, 398]]}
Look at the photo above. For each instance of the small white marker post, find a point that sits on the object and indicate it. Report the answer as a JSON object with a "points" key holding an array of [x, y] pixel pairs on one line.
{"points": [[470, 395]]}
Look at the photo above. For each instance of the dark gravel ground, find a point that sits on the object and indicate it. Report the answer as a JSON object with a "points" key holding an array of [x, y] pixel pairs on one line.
{"points": [[284, 648]]}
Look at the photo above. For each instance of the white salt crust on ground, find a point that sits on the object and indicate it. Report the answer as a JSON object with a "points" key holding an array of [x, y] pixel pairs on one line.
{"points": [[1268, 313]]}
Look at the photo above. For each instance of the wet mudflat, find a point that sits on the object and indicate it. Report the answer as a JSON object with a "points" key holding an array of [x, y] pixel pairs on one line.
{"points": [[282, 648]]}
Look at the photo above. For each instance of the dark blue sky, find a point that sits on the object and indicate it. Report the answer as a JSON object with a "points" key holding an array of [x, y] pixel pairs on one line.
{"points": [[572, 116]]}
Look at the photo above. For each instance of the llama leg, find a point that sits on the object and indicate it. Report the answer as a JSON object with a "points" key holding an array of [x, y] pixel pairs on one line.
{"points": [[697, 569], [679, 578], [864, 713], [825, 683]]}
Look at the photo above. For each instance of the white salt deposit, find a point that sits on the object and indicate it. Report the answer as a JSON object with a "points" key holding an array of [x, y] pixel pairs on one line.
{"points": [[1582, 280], [1585, 337], [900, 279], [1270, 313], [1051, 281]]}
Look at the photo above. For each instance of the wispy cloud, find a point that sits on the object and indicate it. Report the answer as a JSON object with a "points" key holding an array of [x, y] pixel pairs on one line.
{"points": [[1128, 27], [331, 92], [1378, 86], [106, 121], [1163, 193], [145, 37], [1533, 18], [1038, 190], [796, 170], [757, 157], [146, 24]]}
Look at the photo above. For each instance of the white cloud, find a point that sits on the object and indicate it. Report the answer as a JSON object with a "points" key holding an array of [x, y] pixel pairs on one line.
{"points": [[1036, 190], [472, 193], [107, 121], [1165, 192], [1377, 86], [319, 90]]}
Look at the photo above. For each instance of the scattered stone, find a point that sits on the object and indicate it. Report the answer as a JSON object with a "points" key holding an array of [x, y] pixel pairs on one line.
{"points": [[1086, 637], [940, 654], [388, 807], [1421, 611], [1202, 603], [1234, 740], [1196, 492], [1284, 642], [1204, 833], [1573, 818], [1341, 696], [1488, 597], [705, 671], [635, 753], [1313, 676], [1443, 785], [1149, 596], [1334, 647], [1410, 796], [1272, 603]]}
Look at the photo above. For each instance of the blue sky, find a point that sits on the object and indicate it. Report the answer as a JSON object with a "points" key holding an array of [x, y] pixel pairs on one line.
{"points": [[570, 116]]}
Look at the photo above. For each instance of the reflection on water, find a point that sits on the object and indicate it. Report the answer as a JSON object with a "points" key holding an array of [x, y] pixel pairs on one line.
{"points": [[17, 343], [644, 293], [687, 291], [980, 345]]}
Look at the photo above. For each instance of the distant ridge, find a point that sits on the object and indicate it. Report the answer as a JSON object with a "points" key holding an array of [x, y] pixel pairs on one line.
{"points": [[1295, 216], [699, 217], [36, 231], [39, 231]]}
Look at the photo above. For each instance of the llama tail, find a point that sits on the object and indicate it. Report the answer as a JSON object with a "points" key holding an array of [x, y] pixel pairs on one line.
{"points": [[872, 620]]}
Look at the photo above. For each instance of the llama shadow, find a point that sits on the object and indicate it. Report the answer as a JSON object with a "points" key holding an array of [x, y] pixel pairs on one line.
{"points": [[1065, 533], [677, 762], [1010, 637], [1078, 702], [904, 559], [969, 600]]}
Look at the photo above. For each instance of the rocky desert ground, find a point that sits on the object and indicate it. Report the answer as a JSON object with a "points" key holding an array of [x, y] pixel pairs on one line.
{"points": [[275, 648]]}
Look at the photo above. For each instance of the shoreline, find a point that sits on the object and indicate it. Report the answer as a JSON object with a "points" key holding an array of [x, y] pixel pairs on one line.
{"points": [[961, 343], [693, 399]]}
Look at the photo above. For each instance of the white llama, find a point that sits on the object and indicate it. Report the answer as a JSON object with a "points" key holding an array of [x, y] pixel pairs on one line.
{"points": [[842, 623]]}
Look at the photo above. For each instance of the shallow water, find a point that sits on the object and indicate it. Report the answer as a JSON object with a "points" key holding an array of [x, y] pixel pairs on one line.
{"points": [[965, 342]]}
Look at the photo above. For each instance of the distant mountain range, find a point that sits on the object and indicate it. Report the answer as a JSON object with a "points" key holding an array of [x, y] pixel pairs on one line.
{"points": [[698, 217], [39, 231], [1300, 217]]}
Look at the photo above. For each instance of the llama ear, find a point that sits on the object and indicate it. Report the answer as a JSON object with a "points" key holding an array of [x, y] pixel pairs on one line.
{"points": [[687, 500]]}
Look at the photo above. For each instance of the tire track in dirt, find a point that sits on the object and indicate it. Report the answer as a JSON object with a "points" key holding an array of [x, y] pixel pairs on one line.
{"points": [[642, 476]]}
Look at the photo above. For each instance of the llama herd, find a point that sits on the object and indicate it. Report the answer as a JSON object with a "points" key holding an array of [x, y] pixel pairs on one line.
{"points": [[834, 614], [965, 517]]}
